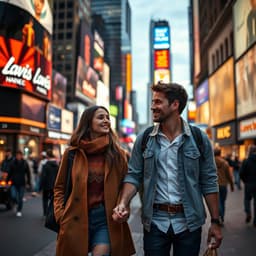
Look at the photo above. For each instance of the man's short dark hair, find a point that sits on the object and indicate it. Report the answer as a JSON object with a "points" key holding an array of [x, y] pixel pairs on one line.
{"points": [[172, 91], [217, 151], [49, 153]]}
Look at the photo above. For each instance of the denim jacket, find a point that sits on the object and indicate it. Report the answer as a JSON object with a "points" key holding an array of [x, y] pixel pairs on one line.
{"points": [[197, 175]]}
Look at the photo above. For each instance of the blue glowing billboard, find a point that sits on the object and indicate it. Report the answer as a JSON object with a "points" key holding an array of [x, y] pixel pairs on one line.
{"points": [[161, 38]]}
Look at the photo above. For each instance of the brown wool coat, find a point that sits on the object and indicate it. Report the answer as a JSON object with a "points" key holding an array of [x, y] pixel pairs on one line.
{"points": [[73, 236]]}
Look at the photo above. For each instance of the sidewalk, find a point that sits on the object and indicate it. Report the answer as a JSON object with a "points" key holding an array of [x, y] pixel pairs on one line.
{"points": [[239, 237]]}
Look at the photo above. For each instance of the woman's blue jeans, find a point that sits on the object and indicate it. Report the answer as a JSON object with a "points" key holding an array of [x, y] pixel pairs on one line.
{"points": [[158, 243]]}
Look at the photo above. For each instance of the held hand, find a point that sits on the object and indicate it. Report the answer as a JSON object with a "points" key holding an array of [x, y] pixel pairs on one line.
{"points": [[121, 213], [214, 236]]}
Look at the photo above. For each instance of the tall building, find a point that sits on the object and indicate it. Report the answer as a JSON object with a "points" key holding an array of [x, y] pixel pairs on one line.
{"points": [[160, 55], [224, 67], [116, 15]]}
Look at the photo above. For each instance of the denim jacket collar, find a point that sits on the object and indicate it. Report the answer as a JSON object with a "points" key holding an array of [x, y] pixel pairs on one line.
{"points": [[185, 126]]}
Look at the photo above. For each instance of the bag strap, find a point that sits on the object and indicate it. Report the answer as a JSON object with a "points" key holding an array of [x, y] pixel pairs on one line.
{"points": [[68, 187], [197, 135], [145, 138]]}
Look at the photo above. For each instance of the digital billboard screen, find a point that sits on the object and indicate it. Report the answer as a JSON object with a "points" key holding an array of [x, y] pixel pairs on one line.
{"points": [[32, 108], [161, 37], [86, 82], [221, 88], [246, 83], [59, 85], [202, 93], [25, 52], [162, 59], [39, 9], [244, 16]]}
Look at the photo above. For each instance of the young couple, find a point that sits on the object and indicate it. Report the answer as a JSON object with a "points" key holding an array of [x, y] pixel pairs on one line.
{"points": [[171, 173]]}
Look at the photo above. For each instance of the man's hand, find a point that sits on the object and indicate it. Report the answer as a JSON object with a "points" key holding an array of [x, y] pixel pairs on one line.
{"points": [[214, 236], [121, 213]]}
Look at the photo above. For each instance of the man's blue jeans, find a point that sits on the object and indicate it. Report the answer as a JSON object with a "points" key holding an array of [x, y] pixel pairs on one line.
{"points": [[17, 194], [222, 200], [158, 243]]}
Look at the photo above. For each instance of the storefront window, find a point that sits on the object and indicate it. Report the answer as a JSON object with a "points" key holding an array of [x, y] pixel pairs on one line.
{"points": [[29, 145]]}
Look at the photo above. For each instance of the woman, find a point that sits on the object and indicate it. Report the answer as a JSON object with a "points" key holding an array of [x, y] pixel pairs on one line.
{"points": [[99, 167]]}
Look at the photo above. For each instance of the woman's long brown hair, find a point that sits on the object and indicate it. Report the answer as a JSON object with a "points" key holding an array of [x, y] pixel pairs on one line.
{"points": [[84, 129]]}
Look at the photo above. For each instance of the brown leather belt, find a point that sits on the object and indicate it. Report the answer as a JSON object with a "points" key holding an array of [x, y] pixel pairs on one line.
{"points": [[170, 208]]}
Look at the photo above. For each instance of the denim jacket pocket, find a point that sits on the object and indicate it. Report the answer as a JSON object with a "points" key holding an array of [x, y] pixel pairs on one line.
{"points": [[191, 161], [148, 156]]}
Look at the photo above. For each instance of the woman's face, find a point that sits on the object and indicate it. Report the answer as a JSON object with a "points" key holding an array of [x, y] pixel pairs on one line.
{"points": [[100, 123], [39, 4]]}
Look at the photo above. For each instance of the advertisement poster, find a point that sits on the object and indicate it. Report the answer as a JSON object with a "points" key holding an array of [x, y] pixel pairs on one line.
{"points": [[25, 50], [221, 87], [39, 9], [244, 25], [246, 83]]}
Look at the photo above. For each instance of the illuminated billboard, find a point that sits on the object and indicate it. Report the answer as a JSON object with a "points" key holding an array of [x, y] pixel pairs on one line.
{"points": [[32, 108], [161, 38], [244, 25], [86, 47], [59, 85], [98, 58], [222, 94], [22, 67], [202, 93], [86, 82], [161, 59], [39, 9], [162, 75], [196, 40], [246, 83], [25, 51]]}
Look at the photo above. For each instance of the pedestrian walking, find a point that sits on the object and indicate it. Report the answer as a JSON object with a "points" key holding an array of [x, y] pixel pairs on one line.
{"points": [[173, 176], [5, 166], [235, 164], [98, 169], [19, 174], [248, 176], [48, 177], [224, 178]]}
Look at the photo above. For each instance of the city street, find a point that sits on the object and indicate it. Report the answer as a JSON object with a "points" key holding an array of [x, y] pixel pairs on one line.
{"points": [[27, 235]]}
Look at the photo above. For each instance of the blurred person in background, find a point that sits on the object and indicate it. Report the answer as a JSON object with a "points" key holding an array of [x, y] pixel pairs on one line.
{"points": [[19, 174], [48, 177], [99, 166], [5, 166], [33, 168], [224, 178], [235, 164], [248, 176]]}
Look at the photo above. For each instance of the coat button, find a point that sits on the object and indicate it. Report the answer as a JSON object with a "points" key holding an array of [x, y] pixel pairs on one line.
{"points": [[77, 199]]}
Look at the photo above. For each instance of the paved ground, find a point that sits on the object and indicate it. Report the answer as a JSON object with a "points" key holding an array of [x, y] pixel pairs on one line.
{"points": [[239, 238]]}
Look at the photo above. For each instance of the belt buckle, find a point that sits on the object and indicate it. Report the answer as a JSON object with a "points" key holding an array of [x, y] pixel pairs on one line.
{"points": [[171, 209]]}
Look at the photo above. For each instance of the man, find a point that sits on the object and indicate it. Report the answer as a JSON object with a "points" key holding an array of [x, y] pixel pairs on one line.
{"points": [[17, 174], [224, 178], [7, 162], [48, 176], [248, 176], [174, 177]]}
